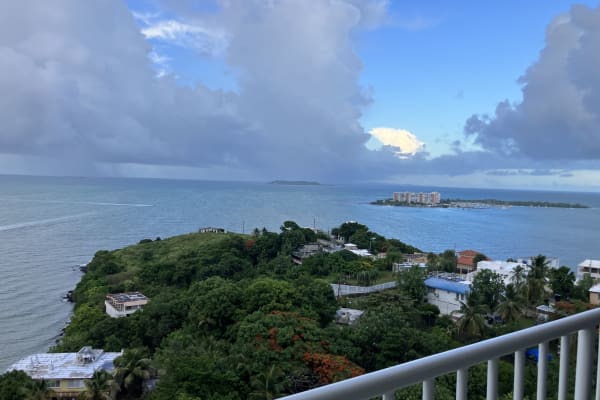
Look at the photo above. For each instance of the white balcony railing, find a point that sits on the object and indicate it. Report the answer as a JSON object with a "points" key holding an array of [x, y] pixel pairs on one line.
{"points": [[387, 381]]}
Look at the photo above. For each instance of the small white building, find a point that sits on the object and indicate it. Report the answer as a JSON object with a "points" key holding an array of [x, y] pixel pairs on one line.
{"points": [[544, 312], [503, 268], [65, 373], [447, 294], [123, 304], [354, 249], [403, 266], [591, 267], [595, 295]]}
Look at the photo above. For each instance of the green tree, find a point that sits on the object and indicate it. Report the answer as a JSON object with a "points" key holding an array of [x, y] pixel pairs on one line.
{"points": [[101, 386], [38, 390], [471, 323], [267, 385], [581, 290], [348, 229], [131, 370], [15, 385], [510, 307], [536, 280], [488, 287], [479, 257], [411, 282], [519, 280], [562, 281]]}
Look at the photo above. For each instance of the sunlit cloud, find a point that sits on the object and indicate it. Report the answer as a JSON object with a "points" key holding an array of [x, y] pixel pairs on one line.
{"points": [[202, 38], [406, 142]]}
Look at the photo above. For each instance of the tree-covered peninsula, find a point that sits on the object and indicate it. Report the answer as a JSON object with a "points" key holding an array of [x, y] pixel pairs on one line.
{"points": [[483, 203], [231, 316]]}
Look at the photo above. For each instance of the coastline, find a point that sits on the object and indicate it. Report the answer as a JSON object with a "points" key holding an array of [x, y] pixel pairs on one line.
{"points": [[478, 204]]}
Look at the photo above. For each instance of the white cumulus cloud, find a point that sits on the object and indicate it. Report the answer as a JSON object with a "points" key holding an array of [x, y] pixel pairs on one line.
{"points": [[406, 142], [203, 38]]}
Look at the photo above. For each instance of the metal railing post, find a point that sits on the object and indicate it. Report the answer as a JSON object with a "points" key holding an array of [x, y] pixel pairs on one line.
{"points": [[563, 374], [542, 370], [492, 380], [428, 389], [425, 370], [585, 353], [462, 377], [598, 372], [519, 378], [389, 396]]}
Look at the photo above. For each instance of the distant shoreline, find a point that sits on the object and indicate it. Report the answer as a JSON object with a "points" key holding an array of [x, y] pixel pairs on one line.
{"points": [[484, 203], [295, 183]]}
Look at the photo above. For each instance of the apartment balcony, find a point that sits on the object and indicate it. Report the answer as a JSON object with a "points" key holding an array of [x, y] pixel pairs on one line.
{"points": [[580, 327]]}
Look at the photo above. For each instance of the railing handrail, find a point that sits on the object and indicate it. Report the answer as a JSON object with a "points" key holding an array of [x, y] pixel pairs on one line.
{"points": [[413, 372]]}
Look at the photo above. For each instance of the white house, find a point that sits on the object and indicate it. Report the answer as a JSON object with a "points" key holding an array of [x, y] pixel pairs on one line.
{"points": [[446, 294], [403, 266], [359, 252], [591, 267], [503, 268], [123, 304], [65, 373], [595, 294]]}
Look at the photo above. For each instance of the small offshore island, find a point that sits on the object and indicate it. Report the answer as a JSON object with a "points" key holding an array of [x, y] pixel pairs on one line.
{"points": [[408, 199]]}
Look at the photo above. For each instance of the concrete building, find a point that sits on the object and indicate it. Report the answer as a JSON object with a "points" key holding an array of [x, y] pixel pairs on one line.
{"points": [[503, 268], [591, 267], [595, 295], [210, 229], [417, 198], [403, 266], [306, 251], [465, 261], [416, 258], [359, 252], [65, 374], [123, 304], [446, 293]]}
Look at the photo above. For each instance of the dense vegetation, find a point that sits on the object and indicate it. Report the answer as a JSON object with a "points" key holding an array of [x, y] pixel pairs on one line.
{"points": [[231, 317]]}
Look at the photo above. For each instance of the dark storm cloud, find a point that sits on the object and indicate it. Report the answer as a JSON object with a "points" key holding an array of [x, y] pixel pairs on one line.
{"points": [[77, 83], [559, 116]]}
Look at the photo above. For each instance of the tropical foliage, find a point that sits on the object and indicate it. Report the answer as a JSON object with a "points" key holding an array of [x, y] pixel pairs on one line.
{"points": [[231, 317]]}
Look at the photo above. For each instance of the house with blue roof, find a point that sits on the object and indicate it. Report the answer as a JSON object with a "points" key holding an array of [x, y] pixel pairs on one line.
{"points": [[447, 292]]}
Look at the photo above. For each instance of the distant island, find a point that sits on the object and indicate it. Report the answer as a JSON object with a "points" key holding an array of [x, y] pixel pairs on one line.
{"points": [[297, 183], [484, 203]]}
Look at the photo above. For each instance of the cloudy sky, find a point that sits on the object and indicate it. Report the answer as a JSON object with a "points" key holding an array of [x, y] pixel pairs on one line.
{"points": [[461, 93]]}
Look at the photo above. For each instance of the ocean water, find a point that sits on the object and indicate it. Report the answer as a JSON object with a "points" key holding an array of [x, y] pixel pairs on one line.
{"points": [[49, 225]]}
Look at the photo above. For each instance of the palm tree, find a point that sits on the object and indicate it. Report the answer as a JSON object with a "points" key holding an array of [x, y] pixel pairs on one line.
{"points": [[39, 390], [518, 279], [100, 387], [471, 322], [536, 280], [267, 385], [510, 308], [132, 369]]}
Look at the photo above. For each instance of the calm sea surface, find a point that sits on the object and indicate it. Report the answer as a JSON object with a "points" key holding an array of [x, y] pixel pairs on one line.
{"points": [[49, 225]]}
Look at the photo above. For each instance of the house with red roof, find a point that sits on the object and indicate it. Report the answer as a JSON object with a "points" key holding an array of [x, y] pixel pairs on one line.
{"points": [[466, 261]]}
